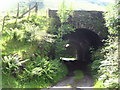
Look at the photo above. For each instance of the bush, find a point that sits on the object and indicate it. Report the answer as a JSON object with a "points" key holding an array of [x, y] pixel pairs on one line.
{"points": [[106, 67], [11, 63], [31, 57], [26, 55], [47, 70], [39, 70]]}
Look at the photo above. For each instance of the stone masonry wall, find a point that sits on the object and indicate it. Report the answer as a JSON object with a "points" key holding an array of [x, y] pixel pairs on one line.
{"points": [[92, 20]]}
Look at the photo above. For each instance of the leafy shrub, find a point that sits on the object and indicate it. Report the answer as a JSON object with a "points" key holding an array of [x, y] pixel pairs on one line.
{"points": [[107, 69], [26, 40], [13, 25], [47, 70], [58, 26], [97, 56], [41, 21], [14, 38], [45, 47], [63, 12], [64, 29], [12, 64], [41, 70], [53, 25], [60, 48]]}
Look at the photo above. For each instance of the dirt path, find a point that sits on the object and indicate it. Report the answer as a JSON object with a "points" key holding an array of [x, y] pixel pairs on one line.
{"points": [[71, 83], [86, 81]]}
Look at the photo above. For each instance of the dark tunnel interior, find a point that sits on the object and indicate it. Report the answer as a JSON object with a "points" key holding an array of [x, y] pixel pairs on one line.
{"points": [[80, 43]]}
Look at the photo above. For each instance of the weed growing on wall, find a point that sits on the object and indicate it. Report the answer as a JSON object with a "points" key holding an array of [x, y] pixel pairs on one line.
{"points": [[64, 12], [61, 27]]}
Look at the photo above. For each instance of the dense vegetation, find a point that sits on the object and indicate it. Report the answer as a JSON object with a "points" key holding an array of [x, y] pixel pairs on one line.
{"points": [[32, 47], [106, 63], [27, 58], [31, 50]]}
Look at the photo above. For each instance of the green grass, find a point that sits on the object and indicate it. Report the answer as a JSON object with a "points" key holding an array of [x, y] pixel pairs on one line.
{"points": [[21, 47], [99, 84], [53, 71], [78, 74], [9, 81]]}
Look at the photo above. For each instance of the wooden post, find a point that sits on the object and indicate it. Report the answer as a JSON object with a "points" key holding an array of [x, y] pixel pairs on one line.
{"points": [[36, 8], [29, 10], [17, 13], [3, 22], [46, 13]]}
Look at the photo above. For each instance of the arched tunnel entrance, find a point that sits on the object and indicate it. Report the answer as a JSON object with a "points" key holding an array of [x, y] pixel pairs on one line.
{"points": [[79, 46]]}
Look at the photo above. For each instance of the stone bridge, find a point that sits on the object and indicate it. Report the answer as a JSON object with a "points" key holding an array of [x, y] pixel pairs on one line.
{"points": [[92, 20]]}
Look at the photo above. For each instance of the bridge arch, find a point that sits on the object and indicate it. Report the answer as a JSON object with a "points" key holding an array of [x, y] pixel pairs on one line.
{"points": [[79, 43], [92, 20]]}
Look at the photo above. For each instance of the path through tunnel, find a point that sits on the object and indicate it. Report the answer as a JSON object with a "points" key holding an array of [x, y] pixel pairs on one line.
{"points": [[78, 49]]}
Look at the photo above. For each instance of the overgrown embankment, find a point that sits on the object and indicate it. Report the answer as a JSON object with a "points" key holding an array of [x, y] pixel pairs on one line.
{"points": [[31, 56], [26, 54]]}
